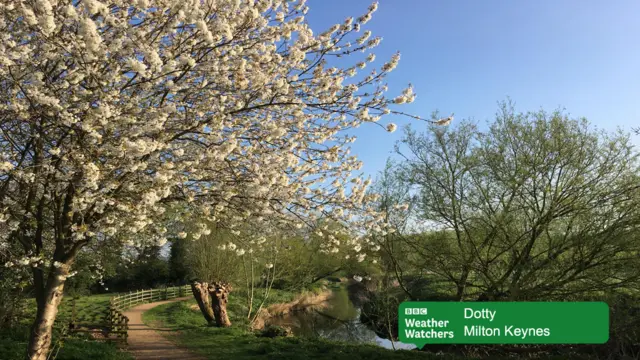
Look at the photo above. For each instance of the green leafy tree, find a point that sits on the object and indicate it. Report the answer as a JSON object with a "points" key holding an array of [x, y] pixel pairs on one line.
{"points": [[178, 267], [538, 206]]}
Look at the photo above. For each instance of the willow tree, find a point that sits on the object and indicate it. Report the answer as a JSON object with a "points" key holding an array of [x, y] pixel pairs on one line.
{"points": [[111, 109], [539, 206]]}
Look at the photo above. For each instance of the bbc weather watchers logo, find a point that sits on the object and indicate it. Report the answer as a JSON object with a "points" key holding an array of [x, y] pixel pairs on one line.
{"points": [[415, 311]]}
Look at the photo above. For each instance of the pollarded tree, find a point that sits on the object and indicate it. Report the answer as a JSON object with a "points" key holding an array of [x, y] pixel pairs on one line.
{"points": [[109, 109]]}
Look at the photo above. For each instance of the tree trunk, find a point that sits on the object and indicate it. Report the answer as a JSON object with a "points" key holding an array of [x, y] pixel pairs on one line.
{"points": [[41, 331], [219, 292], [200, 292]]}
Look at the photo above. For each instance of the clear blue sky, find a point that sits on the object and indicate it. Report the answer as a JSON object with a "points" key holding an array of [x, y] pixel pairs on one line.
{"points": [[464, 56]]}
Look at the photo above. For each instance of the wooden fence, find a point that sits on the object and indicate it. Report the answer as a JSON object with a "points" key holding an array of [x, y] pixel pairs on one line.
{"points": [[117, 326]]}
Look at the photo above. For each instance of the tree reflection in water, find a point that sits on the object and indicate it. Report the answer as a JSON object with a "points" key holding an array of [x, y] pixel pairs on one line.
{"points": [[339, 321]]}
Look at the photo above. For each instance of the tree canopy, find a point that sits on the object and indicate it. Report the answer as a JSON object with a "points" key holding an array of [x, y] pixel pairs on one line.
{"points": [[109, 110], [539, 205]]}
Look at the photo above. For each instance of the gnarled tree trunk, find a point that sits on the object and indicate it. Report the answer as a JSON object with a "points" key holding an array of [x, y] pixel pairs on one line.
{"points": [[48, 301], [219, 292], [201, 293]]}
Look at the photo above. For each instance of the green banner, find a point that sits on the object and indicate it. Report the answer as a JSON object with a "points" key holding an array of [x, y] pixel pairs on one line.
{"points": [[423, 323]]}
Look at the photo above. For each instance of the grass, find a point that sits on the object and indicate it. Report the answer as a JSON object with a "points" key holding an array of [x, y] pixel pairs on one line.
{"points": [[74, 349], [237, 342], [89, 310], [13, 346]]}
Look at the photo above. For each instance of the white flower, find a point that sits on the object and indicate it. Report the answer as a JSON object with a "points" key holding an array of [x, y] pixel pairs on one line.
{"points": [[400, 99], [361, 257], [269, 266], [154, 120], [357, 278], [137, 66], [392, 63], [6, 166], [391, 127]]}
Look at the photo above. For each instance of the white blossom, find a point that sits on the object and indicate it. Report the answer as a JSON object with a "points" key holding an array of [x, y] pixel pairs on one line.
{"points": [[198, 105], [391, 127], [6, 166]]}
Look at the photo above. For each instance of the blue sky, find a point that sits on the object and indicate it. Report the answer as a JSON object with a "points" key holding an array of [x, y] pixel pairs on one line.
{"points": [[464, 56]]}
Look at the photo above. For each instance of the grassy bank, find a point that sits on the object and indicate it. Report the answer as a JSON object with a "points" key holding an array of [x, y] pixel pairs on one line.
{"points": [[13, 346], [89, 309], [238, 342]]}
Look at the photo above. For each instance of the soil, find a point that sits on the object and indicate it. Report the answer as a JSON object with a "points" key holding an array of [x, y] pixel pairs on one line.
{"points": [[146, 343]]}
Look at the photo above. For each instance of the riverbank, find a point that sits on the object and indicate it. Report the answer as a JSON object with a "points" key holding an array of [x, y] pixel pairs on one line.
{"points": [[305, 302], [240, 342]]}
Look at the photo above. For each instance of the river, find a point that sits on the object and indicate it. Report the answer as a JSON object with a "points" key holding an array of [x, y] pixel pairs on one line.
{"points": [[339, 321]]}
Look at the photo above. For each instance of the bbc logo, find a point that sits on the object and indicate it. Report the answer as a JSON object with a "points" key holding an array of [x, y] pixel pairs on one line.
{"points": [[415, 311]]}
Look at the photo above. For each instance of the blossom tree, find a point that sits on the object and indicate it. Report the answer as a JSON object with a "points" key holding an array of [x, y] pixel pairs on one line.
{"points": [[111, 109]]}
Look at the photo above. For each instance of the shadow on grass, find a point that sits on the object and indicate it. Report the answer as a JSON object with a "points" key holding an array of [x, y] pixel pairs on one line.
{"points": [[13, 346], [237, 342]]}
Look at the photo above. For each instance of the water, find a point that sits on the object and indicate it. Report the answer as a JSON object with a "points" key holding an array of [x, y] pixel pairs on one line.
{"points": [[339, 321]]}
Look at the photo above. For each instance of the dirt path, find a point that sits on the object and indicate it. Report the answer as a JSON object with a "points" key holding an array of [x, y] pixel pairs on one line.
{"points": [[146, 343]]}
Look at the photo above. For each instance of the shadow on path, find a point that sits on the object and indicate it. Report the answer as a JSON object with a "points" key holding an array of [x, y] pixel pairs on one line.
{"points": [[146, 343]]}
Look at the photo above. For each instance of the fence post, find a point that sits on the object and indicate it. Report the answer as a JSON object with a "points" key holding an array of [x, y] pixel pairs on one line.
{"points": [[117, 322], [126, 328]]}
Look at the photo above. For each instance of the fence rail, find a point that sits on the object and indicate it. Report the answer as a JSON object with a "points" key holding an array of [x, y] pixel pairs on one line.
{"points": [[117, 323]]}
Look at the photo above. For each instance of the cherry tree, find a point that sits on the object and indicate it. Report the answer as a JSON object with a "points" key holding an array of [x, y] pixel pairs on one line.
{"points": [[109, 110]]}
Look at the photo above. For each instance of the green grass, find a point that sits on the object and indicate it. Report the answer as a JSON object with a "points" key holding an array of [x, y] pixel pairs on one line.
{"points": [[190, 331], [89, 310], [238, 342], [237, 309], [13, 346]]}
